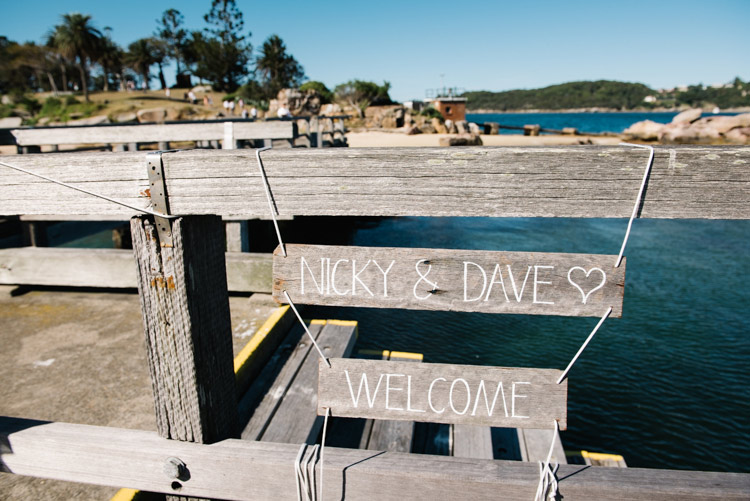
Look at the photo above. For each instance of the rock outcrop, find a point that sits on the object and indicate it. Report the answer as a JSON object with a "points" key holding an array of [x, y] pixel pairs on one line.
{"points": [[461, 140], [152, 115], [689, 128], [296, 101]]}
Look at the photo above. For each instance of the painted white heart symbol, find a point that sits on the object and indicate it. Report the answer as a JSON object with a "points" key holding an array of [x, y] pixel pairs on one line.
{"points": [[583, 294]]}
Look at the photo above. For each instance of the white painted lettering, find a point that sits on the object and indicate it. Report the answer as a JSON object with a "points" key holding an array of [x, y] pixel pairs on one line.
{"points": [[388, 390], [466, 281], [302, 265], [497, 273], [363, 382], [332, 279], [490, 408], [355, 277], [429, 396], [468, 396], [385, 276], [408, 397], [537, 281], [513, 401], [513, 283]]}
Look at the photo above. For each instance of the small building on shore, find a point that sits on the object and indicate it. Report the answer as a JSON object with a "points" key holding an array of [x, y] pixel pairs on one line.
{"points": [[452, 108]]}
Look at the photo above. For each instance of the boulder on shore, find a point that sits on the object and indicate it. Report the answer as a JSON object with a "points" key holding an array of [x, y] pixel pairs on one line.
{"points": [[150, 115], [461, 140], [687, 116], [99, 119], [647, 130], [126, 118]]}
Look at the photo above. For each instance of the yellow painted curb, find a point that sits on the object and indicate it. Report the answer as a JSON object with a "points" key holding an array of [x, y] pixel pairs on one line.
{"points": [[244, 355], [125, 495], [407, 355], [600, 456]]}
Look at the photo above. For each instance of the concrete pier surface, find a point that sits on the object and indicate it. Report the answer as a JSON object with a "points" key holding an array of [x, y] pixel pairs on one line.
{"points": [[80, 357]]}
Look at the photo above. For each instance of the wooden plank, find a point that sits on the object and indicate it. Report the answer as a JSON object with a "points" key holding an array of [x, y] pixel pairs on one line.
{"points": [[535, 443], [443, 393], [185, 306], [134, 458], [271, 399], [295, 420], [576, 181], [454, 280], [151, 133], [388, 434], [472, 441], [67, 267]]}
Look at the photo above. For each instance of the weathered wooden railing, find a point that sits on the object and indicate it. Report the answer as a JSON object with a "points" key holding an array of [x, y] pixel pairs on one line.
{"points": [[120, 136], [192, 379]]}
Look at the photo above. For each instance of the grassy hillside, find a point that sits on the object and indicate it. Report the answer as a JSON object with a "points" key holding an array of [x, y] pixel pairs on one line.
{"points": [[599, 94]]}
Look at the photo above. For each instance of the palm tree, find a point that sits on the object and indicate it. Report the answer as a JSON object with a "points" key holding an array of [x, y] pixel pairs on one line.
{"points": [[77, 39], [141, 57], [110, 59]]}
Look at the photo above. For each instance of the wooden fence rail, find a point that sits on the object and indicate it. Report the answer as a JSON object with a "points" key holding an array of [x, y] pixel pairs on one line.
{"points": [[187, 276], [153, 133], [239, 469], [688, 182]]}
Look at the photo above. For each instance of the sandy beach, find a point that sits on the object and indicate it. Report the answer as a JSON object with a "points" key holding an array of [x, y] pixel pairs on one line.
{"points": [[376, 139]]}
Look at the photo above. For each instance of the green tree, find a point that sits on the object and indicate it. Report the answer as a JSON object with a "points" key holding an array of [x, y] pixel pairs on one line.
{"points": [[326, 96], [222, 52], [77, 39], [360, 94], [33, 63], [278, 69], [175, 37], [111, 59], [140, 57]]}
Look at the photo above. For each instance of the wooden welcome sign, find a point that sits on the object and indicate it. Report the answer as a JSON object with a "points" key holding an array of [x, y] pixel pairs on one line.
{"points": [[442, 393], [454, 280]]}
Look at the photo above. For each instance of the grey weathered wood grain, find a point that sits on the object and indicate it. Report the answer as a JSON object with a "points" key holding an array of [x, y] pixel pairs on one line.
{"points": [[264, 412], [574, 181], [472, 441], [247, 470], [151, 133], [535, 443], [388, 434], [492, 282], [67, 267], [295, 420], [543, 402], [186, 320]]}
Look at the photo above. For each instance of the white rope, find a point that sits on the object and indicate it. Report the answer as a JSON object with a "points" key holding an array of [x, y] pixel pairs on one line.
{"points": [[583, 346], [310, 473], [267, 188], [97, 195], [289, 300], [322, 448], [637, 200], [297, 472], [547, 488]]}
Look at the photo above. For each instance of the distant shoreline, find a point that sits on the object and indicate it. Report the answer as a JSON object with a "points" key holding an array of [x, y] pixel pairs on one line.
{"points": [[601, 110]]}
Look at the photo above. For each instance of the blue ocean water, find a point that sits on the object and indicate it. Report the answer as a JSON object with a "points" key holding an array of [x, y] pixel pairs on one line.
{"points": [[667, 385], [584, 122]]}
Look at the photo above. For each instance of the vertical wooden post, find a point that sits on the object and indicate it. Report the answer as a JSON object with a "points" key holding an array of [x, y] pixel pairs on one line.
{"points": [[34, 233], [314, 132], [229, 142], [237, 236], [185, 306]]}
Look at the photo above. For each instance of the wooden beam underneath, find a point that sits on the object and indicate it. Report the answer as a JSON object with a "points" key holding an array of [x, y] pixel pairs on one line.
{"points": [[237, 469], [113, 268]]}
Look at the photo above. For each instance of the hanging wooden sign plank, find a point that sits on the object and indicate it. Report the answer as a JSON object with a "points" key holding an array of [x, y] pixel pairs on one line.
{"points": [[453, 280], [443, 393]]}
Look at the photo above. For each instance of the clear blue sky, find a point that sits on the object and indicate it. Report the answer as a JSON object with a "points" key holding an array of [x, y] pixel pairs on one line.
{"points": [[479, 45]]}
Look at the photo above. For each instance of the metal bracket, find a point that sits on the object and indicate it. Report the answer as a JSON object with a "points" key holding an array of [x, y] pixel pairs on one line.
{"points": [[158, 195]]}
